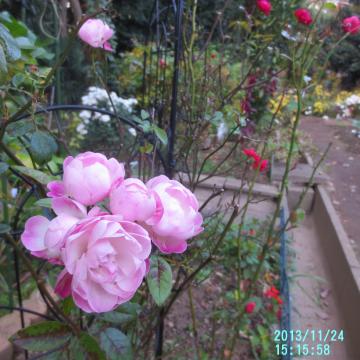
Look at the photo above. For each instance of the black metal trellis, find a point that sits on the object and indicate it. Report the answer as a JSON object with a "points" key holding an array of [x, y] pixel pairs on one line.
{"points": [[159, 33]]}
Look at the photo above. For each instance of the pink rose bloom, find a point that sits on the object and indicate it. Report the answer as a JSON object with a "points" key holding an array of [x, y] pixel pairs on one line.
{"points": [[105, 262], [133, 200], [89, 177], [45, 238], [96, 33], [351, 24], [264, 6], [177, 216], [303, 16]]}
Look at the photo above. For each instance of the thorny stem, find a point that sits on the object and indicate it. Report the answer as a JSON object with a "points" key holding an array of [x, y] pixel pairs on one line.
{"points": [[41, 285]]}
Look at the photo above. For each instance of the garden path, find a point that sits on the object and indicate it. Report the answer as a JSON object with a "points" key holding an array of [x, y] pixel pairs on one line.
{"points": [[342, 164]]}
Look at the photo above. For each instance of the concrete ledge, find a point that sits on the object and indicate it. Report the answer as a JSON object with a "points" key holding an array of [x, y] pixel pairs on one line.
{"points": [[343, 266], [229, 183], [293, 195]]}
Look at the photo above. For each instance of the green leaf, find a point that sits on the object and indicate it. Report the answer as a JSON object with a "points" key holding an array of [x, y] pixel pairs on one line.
{"points": [[4, 228], [45, 202], [44, 336], [20, 128], [147, 148], [68, 305], [123, 314], [3, 63], [24, 43], [161, 134], [3, 167], [159, 279], [15, 27], [42, 146], [144, 114], [115, 344], [18, 80], [37, 175], [91, 347], [11, 48], [146, 126], [330, 6]]}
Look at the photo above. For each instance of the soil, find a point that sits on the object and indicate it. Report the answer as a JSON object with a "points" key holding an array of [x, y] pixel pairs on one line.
{"points": [[207, 297], [342, 164]]}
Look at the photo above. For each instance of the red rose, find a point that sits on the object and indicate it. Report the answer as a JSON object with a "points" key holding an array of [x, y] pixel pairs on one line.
{"points": [[303, 16], [250, 307], [264, 6], [273, 293], [351, 24], [258, 162]]}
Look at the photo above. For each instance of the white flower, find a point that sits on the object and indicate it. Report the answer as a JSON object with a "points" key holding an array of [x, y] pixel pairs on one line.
{"points": [[132, 131], [222, 130], [81, 129], [13, 192], [104, 118], [85, 115], [307, 79]]}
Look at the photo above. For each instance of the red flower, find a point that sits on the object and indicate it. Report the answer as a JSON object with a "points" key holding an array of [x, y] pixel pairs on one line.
{"points": [[252, 232], [303, 16], [250, 307], [162, 63], [258, 162], [351, 24], [251, 153], [264, 6], [273, 293], [213, 55]]}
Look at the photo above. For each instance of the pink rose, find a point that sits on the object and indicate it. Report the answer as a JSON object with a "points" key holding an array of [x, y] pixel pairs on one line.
{"points": [[133, 200], [351, 24], [45, 238], [177, 216], [105, 262], [264, 6], [303, 16], [96, 33], [89, 177]]}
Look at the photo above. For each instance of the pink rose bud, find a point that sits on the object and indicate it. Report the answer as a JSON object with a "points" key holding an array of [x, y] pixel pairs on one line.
{"points": [[177, 217], [351, 24], [133, 200], [264, 6], [303, 16], [45, 238], [89, 177], [250, 307], [96, 33], [106, 258]]}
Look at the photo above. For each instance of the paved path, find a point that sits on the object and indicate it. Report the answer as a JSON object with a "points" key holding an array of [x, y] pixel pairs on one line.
{"points": [[343, 166]]}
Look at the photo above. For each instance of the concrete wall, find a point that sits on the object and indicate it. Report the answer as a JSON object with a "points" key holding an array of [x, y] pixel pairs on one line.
{"points": [[343, 267]]}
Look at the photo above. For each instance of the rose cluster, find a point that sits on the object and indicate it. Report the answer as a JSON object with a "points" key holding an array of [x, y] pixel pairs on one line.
{"points": [[104, 227], [257, 161], [350, 24]]}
